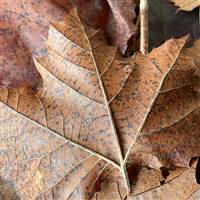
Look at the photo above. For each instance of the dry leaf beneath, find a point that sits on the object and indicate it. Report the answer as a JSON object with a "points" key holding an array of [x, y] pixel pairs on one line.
{"points": [[16, 63], [187, 5], [24, 29], [31, 24], [91, 118], [179, 185], [116, 18]]}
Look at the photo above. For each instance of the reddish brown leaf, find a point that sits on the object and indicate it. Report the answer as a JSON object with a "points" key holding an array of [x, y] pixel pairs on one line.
{"points": [[16, 63], [24, 30], [32, 24], [116, 18]]}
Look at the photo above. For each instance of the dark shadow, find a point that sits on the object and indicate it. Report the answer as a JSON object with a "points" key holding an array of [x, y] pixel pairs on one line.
{"points": [[165, 22], [197, 172]]}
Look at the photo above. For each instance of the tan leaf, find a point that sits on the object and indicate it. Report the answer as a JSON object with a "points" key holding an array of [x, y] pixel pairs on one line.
{"points": [[80, 128], [187, 5]]}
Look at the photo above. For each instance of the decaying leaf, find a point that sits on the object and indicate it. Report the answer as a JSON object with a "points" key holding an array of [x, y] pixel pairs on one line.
{"points": [[186, 4], [24, 30], [91, 118], [121, 24], [116, 18], [182, 186]]}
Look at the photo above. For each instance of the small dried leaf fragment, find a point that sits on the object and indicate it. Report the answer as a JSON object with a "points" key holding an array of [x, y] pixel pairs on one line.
{"points": [[187, 5], [116, 18], [121, 25]]}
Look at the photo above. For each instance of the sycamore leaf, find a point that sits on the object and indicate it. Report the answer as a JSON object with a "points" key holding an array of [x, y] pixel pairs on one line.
{"points": [[187, 5], [167, 148], [87, 120]]}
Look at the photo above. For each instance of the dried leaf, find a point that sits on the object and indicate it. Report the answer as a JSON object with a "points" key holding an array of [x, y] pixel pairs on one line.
{"points": [[91, 115], [187, 5], [179, 185], [121, 25], [7, 191]]}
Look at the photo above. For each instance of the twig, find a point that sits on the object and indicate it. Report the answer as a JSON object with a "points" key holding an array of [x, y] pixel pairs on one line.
{"points": [[144, 26]]}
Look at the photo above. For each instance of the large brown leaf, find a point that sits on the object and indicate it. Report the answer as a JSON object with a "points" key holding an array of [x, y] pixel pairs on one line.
{"points": [[80, 128]]}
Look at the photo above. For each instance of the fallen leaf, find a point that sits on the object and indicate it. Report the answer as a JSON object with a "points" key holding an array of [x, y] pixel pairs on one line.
{"points": [[121, 25], [7, 191], [88, 119], [179, 185], [187, 5]]}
